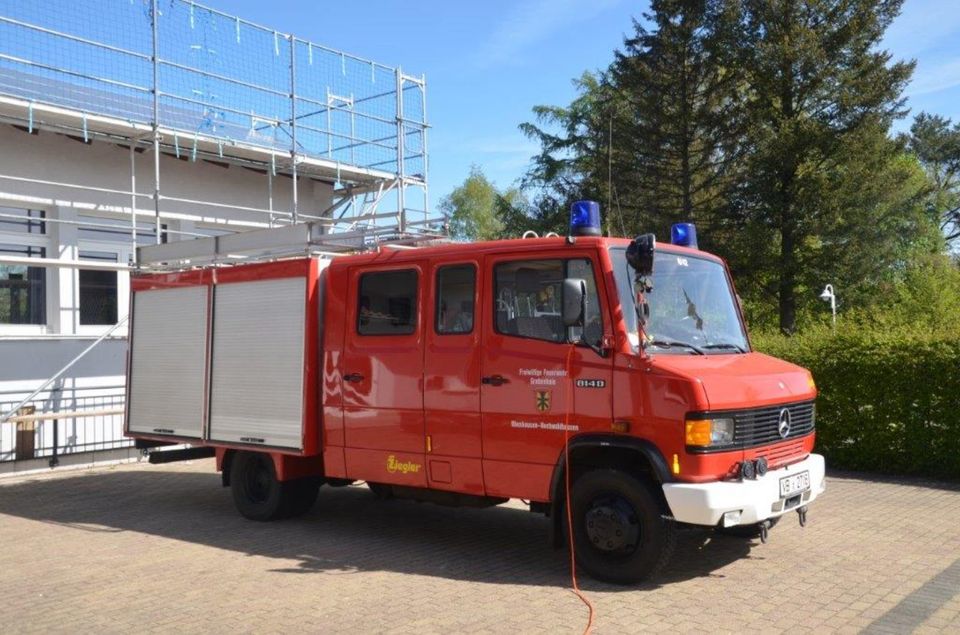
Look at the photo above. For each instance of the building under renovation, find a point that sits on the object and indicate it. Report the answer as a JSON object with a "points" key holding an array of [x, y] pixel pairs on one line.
{"points": [[126, 123]]}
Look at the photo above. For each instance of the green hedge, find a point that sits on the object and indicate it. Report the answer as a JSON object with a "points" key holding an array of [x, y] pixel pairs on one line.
{"points": [[889, 401]]}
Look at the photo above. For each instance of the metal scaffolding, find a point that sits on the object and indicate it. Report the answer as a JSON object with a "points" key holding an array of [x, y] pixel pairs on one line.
{"points": [[175, 77]]}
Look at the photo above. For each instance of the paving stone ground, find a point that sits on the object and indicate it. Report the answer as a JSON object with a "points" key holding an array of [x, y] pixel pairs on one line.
{"points": [[160, 548]]}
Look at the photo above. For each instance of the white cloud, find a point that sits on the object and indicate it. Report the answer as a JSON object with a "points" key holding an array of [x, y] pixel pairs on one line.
{"points": [[531, 22], [933, 79], [923, 25], [506, 144]]}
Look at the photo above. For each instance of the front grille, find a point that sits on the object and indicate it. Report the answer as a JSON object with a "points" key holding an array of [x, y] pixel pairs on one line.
{"points": [[760, 426], [779, 454]]}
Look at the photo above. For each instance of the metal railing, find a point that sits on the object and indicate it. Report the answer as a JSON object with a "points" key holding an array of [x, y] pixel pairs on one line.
{"points": [[63, 421]]}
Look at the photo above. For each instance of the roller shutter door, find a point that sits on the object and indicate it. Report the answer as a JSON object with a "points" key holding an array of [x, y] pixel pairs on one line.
{"points": [[256, 392], [167, 364]]}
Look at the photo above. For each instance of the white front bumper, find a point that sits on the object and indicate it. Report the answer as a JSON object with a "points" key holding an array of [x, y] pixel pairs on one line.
{"points": [[759, 499]]}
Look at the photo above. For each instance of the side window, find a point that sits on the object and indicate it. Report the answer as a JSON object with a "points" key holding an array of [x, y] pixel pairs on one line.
{"points": [[387, 303], [455, 293], [528, 299]]}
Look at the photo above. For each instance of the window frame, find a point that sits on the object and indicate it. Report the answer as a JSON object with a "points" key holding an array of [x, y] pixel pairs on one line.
{"points": [[415, 323], [42, 221], [123, 254], [43, 241], [564, 259], [437, 298], [119, 232]]}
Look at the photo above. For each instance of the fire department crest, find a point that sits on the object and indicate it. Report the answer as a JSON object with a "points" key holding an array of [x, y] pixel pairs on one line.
{"points": [[543, 400]]}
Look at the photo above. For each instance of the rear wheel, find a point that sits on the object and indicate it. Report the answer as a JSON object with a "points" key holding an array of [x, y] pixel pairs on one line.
{"points": [[619, 530], [258, 494]]}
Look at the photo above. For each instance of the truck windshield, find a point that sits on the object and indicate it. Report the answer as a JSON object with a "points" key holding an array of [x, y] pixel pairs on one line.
{"points": [[692, 308]]}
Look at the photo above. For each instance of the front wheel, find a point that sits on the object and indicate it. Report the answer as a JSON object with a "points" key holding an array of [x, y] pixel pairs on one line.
{"points": [[619, 531]]}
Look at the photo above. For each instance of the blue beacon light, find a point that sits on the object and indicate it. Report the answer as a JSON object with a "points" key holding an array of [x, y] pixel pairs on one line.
{"points": [[684, 234], [585, 218]]}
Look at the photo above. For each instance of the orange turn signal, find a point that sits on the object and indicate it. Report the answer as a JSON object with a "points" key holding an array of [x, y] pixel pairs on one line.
{"points": [[621, 426], [698, 432]]}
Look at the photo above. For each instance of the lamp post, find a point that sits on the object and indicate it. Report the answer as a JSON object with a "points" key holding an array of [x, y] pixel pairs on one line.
{"points": [[829, 296]]}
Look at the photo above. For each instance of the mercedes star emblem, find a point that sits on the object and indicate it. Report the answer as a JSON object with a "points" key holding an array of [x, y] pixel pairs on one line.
{"points": [[783, 426]]}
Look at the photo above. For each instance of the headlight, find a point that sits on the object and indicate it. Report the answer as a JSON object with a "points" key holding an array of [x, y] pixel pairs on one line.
{"points": [[709, 432]]}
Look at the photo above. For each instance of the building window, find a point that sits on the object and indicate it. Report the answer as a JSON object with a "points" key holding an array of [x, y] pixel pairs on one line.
{"points": [[23, 289], [22, 221], [98, 291], [387, 303], [455, 286], [115, 230]]}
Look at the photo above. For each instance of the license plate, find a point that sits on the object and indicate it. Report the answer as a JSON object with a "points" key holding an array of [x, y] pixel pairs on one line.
{"points": [[790, 485]]}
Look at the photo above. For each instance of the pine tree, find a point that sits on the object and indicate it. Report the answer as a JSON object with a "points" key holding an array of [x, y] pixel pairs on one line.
{"points": [[680, 128], [817, 81], [574, 150], [658, 136], [935, 141]]}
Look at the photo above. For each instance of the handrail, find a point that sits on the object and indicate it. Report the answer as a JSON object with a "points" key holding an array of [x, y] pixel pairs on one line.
{"points": [[65, 414], [63, 370]]}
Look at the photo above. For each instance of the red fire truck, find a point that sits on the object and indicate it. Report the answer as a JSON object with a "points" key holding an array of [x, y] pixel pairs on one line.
{"points": [[613, 374]]}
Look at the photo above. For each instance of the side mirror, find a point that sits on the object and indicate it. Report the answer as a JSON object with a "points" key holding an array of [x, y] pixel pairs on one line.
{"points": [[574, 301], [640, 254]]}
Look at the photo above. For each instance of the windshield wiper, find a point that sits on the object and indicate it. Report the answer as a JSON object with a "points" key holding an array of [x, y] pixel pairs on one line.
{"points": [[675, 343], [725, 345]]}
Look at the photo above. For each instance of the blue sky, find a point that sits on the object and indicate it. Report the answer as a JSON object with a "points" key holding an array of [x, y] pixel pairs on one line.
{"points": [[488, 63]]}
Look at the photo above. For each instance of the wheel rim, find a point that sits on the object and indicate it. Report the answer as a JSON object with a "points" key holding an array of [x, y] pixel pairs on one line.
{"points": [[257, 481], [612, 525]]}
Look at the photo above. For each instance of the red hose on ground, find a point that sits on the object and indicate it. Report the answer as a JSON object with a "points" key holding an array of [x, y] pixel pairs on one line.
{"points": [[566, 473]]}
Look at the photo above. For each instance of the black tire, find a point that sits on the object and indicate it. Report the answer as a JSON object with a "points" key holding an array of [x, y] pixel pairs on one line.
{"points": [[619, 531], [746, 531], [257, 493], [299, 496]]}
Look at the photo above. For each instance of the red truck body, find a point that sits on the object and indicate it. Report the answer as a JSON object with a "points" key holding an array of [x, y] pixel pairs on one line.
{"points": [[486, 408]]}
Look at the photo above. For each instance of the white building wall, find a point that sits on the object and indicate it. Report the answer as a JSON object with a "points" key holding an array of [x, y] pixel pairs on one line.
{"points": [[30, 354]]}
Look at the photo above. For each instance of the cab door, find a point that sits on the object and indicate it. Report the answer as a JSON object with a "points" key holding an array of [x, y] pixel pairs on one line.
{"points": [[452, 378], [382, 374], [536, 388]]}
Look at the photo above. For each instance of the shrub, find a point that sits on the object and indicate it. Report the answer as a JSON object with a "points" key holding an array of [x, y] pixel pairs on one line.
{"points": [[889, 399]]}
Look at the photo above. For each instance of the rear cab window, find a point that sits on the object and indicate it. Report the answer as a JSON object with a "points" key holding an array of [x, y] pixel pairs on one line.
{"points": [[455, 308], [387, 303]]}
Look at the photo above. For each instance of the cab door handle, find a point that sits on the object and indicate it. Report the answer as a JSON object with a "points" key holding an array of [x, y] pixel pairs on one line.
{"points": [[495, 380], [353, 377]]}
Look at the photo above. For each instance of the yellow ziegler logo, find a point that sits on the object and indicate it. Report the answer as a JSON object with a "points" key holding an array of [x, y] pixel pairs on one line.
{"points": [[405, 467]]}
